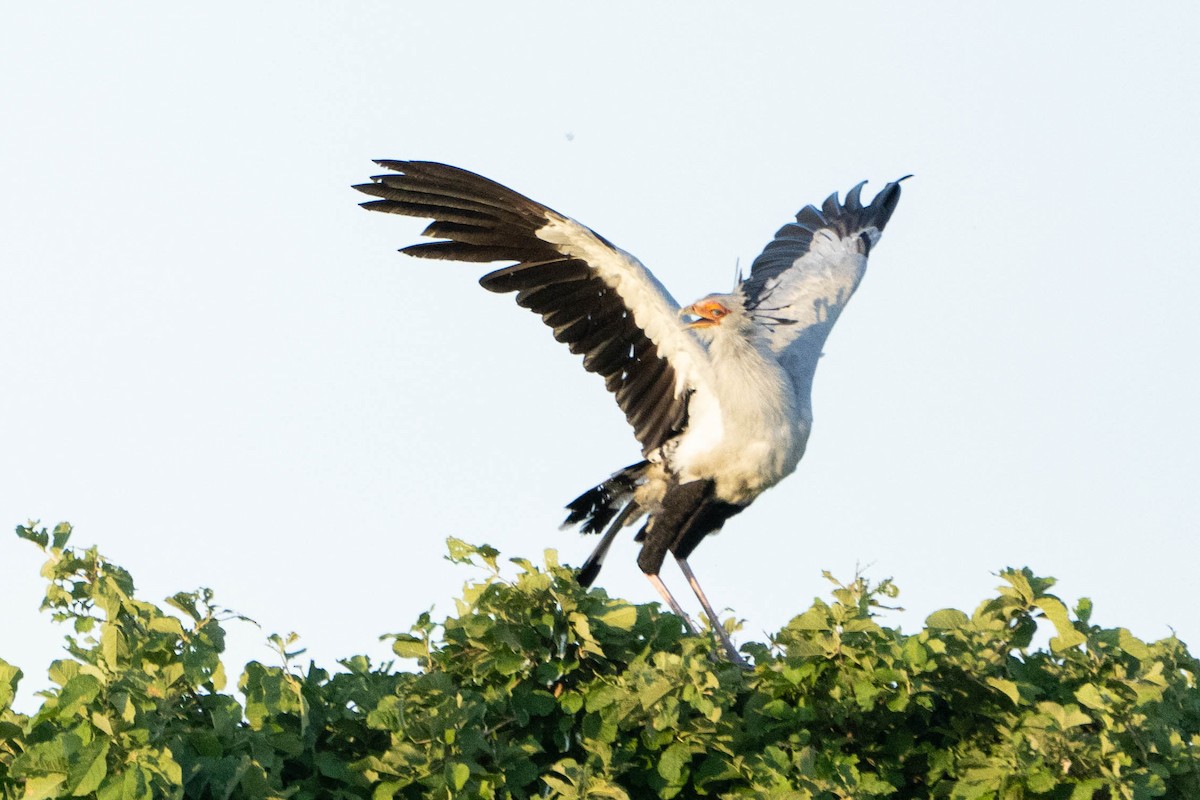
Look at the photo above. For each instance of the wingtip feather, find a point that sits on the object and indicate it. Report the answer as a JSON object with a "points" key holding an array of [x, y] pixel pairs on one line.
{"points": [[854, 197], [832, 206]]}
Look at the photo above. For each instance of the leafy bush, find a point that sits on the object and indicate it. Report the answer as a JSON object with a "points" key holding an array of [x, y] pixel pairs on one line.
{"points": [[540, 688]]}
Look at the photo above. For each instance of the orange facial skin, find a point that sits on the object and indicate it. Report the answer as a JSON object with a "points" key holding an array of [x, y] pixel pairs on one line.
{"points": [[710, 312]]}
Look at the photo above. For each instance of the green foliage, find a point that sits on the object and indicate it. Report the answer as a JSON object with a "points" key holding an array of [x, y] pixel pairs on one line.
{"points": [[539, 688]]}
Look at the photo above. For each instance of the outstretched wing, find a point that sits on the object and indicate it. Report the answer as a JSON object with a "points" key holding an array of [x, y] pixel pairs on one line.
{"points": [[803, 279], [599, 300]]}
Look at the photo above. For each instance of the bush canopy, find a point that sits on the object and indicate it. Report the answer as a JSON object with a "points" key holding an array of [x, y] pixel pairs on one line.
{"points": [[536, 687]]}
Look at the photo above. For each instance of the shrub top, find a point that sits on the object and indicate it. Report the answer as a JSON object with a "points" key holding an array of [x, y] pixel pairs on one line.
{"points": [[537, 687]]}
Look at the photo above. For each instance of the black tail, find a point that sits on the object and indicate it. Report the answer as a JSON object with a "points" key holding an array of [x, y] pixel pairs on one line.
{"points": [[608, 505], [591, 567], [596, 507]]}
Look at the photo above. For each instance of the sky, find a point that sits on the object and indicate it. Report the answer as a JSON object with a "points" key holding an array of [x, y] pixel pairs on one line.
{"points": [[218, 369]]}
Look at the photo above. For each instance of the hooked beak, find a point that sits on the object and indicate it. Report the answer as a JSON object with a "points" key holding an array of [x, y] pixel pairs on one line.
{"points": [[702, 319]]}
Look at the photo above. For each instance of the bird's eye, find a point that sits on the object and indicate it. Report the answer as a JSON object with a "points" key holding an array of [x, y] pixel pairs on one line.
{"points": [[718, 312]]}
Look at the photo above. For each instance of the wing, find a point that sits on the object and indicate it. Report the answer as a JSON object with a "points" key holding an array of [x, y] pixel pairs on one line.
{"points": [[803, 279], [599, 300]]}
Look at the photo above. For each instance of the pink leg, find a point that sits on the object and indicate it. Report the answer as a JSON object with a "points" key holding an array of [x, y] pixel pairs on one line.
{"points": [[719, 629], [672, 602]]}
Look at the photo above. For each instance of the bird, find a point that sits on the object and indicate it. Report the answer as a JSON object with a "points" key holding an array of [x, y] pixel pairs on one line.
{"points": [[718, 392]]}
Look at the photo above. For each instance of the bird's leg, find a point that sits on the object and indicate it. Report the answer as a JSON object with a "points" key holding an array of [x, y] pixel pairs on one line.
{"points": [[717, 627], [672, 602]]}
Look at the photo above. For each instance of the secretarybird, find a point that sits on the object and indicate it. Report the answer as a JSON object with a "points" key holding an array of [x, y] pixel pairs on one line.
{"points": [[718, 392]]}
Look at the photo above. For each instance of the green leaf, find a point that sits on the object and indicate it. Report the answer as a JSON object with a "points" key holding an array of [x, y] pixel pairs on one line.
{"points": [[865, 693], [457, 775], [166, 625], [655, 691], [815, 619], [1086, 790], [807, 648], [602, 695], [79, 691], [29, 533], [1040, 781], [622, 617], [947, 618], [406, 645], [1056, 612], [861, 626], [571, 702], [1019, 579], [387, 716], [132, 784], [42, 786], [88, 769], [712, 769], [62, 533], [460, 552], [387, 790], [10, 677], [1065, 717], [110, 638], [186, 602], [1007, 687], [1090, 696], [1133, 645], [1083, 610], [672, 762]]}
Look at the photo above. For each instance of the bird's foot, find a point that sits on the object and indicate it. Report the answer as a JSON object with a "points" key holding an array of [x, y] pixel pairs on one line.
{"points": [[731, 651]]}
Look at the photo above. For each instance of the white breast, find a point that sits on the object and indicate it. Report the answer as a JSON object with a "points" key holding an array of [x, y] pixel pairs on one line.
{"points": [[749, 433]]}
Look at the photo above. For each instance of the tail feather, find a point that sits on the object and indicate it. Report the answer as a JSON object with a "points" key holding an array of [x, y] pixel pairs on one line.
{"points": [[594, 509], [606, 507], [591, 567]]}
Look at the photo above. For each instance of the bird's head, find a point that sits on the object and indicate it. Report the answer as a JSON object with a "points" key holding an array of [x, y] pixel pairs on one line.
{"points": [[724, 312]]}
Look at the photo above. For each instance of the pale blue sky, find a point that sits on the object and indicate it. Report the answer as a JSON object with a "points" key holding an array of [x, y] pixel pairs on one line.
{"points": [[219, 369]]}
